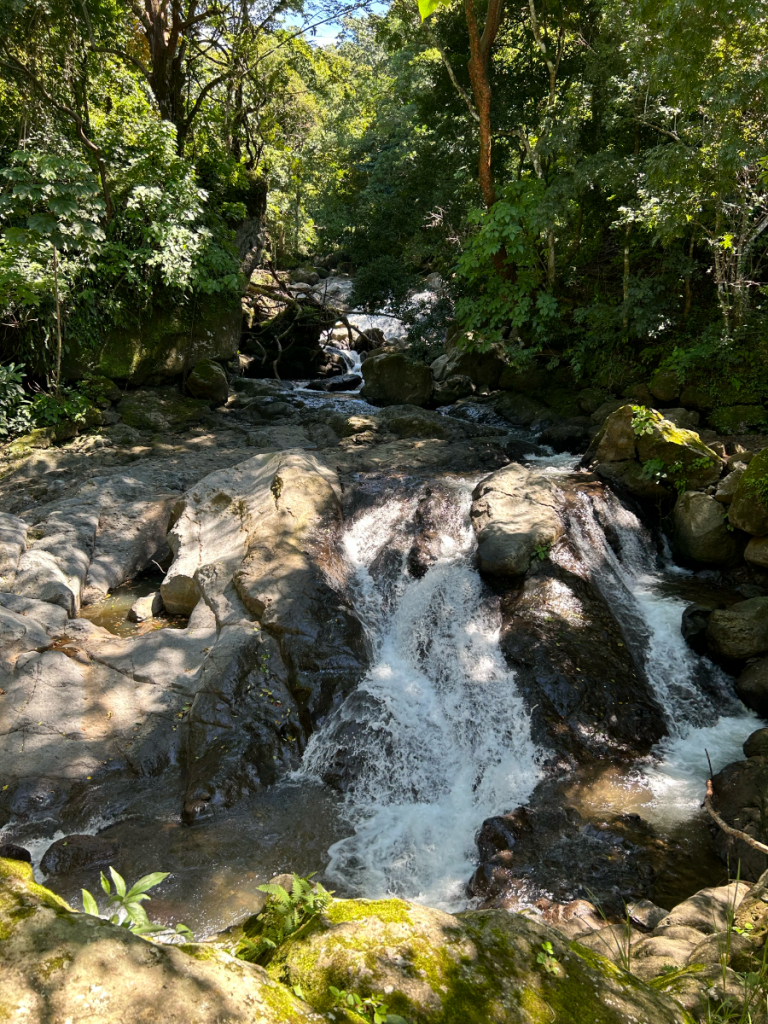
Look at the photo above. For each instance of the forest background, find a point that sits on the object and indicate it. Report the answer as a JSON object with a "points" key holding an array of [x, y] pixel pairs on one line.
{"points": [[590, 179]]}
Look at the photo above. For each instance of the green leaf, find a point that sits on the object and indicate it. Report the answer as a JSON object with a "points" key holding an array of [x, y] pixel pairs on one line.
{"points": [[427, 7], [147, 882], [105, 884], [89, 904], [119, 881]]}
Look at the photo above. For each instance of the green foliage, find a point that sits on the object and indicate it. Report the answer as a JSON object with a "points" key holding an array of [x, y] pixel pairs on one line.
{"points": [[642, 420], [541, 551], [130, 913], [370, 1008], [15, 406], [501, 273], [284, 914], [546, 957]]}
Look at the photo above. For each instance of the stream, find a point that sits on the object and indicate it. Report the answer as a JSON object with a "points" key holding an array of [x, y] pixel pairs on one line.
{"points": [[397, 780]]}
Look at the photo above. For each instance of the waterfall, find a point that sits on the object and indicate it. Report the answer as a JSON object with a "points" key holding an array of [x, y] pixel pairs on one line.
{"points": [[437, 731], [623, 561]]}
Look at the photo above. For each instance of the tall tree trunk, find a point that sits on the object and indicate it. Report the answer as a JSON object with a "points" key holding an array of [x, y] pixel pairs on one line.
{"points": [[479, 64]]}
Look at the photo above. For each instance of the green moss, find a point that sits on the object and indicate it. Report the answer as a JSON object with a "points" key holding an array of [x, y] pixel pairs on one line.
{"points": [[20, 895], [737, 419], [389, 911]]}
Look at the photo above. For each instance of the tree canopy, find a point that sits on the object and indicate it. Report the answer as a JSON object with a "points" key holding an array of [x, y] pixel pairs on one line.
{"points": [[589, 179]]}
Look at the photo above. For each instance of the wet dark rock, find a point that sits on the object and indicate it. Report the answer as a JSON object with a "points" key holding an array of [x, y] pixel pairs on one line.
{"points": [[740, 797], [756, 744], [244, 728], [694, 627], [752, 687], [571, 435], [551, 846], [78, 851], [589, 697], [12, 852], [344, 382], [646, 914], [452, 389]]}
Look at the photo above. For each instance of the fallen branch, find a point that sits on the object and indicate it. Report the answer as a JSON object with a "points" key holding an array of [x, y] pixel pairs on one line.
{"points": [[728, 829]]}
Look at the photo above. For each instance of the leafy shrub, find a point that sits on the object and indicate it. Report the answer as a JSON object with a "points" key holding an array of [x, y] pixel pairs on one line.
{"points": [[284, 914], [15, 406], [130, 913]]}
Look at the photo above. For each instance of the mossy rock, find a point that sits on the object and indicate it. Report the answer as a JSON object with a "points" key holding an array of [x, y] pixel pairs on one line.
{"points": [[563, 400], [482, 967], [46, 437], [160, 409], [59, 965], [738, 419], [208, 380], [749, 508], [660, 460], [163, 345]]}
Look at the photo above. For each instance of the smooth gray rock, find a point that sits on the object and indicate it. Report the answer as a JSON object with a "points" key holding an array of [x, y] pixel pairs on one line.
{"points": [[146, 607], [13, 541], [513, 513]]}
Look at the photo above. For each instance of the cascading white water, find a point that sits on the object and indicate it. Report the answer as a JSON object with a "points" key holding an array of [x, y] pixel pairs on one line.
{"points": [[630, 580], [441, 738]]}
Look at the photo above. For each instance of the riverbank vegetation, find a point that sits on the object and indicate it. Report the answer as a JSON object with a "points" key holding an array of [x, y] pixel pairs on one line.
{"points": [[589, 179]]}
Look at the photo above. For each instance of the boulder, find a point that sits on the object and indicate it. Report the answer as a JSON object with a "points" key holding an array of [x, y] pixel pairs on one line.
{"points": [[392, 379], [685, 418], [146, 607], [513, 514], [484, 369], [649, 457], [741, 631], [208, 380], [55, 566], [97, 708], [482, 966], [739, 797], [607, 407], [752, 688], [76, 852], [60, 965], [756, 552], [738, 419], [726, 488], [163, 345], [433, 282], [343, 382], [161, 410], [302, 276], [694, 627], [451, 390], [519, 410], [749, 507], [756, 744], [569, 436], [700, 531], [665, 385]]}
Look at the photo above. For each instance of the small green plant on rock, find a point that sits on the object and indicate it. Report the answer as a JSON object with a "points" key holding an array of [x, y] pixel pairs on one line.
{"points": [[642, 420], [546, 957], [129, 911], [541, 551], [284, 914], [372, 1008]]}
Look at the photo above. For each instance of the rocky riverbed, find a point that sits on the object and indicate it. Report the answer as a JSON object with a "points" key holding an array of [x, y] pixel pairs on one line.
{"points": [[451, 639]]}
